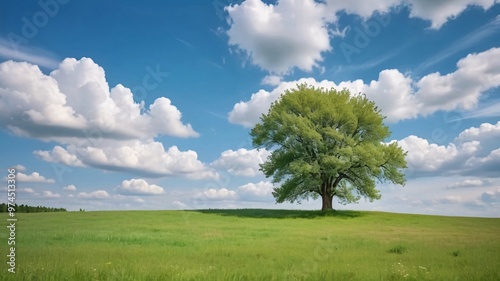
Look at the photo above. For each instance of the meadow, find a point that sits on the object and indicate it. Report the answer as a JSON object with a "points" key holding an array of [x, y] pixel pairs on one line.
{"points": [[252, 244]]}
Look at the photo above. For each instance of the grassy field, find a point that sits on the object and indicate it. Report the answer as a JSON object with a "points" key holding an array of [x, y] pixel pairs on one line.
{"points": [[252, 245]]}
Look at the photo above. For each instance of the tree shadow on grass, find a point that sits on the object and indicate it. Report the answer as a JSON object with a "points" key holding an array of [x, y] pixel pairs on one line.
{"points": [[281, 214]]}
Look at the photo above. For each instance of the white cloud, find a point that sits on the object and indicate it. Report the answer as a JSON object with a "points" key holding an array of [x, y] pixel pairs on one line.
{"points": [[59, 155], [179, 205], [440, 12], [50, 194], [491, 109], [467, 156], [139, 187], [450, 199], [31, 55], [467, 41], [467, 183], [461, 89], [278, 37], [398, 96], [242, 162], [486, 166], [256, 191], [33, 177], [19, 168], [281, 36], [26, 190], [69, 187], [248, 113], [427, 157], [139, 200], [437, 12], [141, 157], [217, 194], [271, 80], [98, 194], [97, 126], [487, 134], [364, 9], [76, 102], [340, 33]]}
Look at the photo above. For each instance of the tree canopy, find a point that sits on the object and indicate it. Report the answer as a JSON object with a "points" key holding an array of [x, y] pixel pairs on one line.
{"points": [[327, 143]]}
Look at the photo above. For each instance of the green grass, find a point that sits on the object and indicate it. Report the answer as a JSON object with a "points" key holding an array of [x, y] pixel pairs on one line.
{"points": [[252, 245]]}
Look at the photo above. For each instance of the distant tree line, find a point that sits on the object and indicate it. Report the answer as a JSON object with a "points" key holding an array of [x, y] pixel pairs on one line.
{"points": [[31, 209]]}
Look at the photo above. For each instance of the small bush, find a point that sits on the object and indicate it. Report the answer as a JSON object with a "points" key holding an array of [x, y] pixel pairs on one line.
{"points": [[399, 249]]}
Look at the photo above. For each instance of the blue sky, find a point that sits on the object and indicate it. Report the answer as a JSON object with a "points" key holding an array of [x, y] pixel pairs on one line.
{"points": [[148, 105]]}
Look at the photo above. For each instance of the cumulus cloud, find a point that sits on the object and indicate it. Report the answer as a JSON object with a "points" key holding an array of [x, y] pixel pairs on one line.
{"points": [[141, 157], [364, 9], [487, 134], [179, 205], [217, 194], [96, 126], [425, 157], [33, 177], [256, 191], [468, 183], [242, 162], [77, 102], [437, 12], [139, 187], [397, 95], [465, 156], [26, 190], [475, 74], [59, 155], [450, 199], [98, 194], [248, 113], [271, 80], [440, 12], [19, 168], [69, 187], [50, 194], [268, 34]]}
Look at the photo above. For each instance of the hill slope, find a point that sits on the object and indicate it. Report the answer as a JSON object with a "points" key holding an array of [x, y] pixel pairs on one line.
{"points": [[253, 245]]}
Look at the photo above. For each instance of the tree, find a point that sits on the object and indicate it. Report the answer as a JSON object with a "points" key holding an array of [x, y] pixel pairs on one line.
{"points": [[327, 143]]}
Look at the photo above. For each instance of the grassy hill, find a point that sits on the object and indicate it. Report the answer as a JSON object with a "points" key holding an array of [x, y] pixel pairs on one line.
{"points": [[252, 245]]}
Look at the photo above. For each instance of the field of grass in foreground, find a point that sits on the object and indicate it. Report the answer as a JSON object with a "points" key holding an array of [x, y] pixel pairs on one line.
{"points": [[252, 245]]}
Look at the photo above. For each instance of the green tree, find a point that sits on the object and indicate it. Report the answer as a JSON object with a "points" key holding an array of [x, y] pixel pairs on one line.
{"points": [[327, 143]]}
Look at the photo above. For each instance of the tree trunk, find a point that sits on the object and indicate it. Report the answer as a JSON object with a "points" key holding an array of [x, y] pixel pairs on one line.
{"points": [[327, 201]]}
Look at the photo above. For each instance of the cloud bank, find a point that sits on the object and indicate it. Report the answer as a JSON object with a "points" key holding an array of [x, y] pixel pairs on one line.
{"points": [[279, 37], [398, 96], [97, 126]]}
